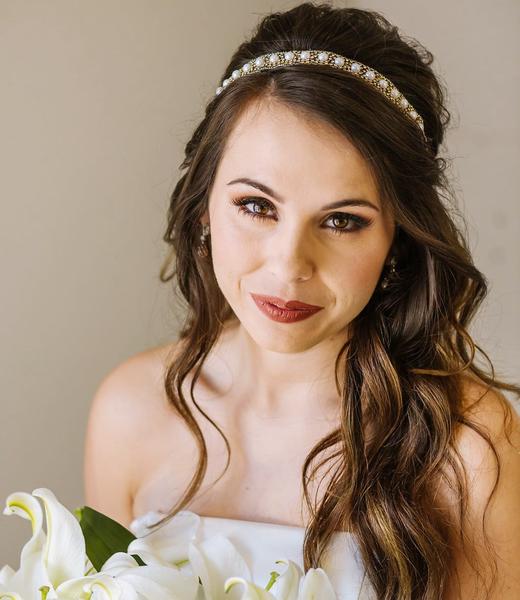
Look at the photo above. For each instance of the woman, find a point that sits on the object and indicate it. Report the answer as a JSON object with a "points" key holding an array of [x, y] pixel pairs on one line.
{"points": [[325, 355]]}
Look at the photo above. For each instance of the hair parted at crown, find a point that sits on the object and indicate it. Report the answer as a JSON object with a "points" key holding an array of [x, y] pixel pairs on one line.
{"points": [[331, 59]]}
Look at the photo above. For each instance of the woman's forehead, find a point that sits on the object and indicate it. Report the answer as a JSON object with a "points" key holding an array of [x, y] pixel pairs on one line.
{"points": [[287, 145]]}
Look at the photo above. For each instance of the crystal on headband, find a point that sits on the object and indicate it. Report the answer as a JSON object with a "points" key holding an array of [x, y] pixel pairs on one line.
{"points": [[331, 59]]}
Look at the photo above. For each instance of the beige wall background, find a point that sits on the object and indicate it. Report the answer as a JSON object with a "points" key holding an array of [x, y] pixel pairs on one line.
{"points": [[97, 100]]}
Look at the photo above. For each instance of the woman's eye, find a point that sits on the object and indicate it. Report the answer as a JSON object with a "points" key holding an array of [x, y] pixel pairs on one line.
{"points": [[261, 207]]}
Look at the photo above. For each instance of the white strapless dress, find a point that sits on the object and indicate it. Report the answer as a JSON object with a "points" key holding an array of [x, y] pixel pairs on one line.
{"points": [[261, 544]]}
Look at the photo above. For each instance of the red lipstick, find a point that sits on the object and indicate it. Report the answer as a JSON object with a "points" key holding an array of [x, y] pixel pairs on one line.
{"points": [[284, 311]]}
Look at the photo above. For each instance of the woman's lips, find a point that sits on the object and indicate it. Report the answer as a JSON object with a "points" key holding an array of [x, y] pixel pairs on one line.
{"points": [[284, 315], [289, 304]]}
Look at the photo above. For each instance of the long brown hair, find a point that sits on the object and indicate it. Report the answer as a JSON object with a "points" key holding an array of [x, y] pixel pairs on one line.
{"points": [[400, 372]]}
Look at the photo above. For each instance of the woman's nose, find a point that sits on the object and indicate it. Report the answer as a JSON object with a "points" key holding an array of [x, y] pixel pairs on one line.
{"points": [[292, 257]]}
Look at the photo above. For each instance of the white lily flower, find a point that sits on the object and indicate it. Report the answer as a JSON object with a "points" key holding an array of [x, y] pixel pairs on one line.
{"points": [[55, 566], [32, 574], [316, 584], [286, 586], [152, 582], [98, 585], [121, 578], [168, 545], [291, 585], [215, 560], [57, 562], [250, 590], [64, 551], [4, 595]]}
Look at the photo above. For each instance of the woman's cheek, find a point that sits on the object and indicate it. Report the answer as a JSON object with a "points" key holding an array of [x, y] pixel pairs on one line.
{"points": [[362, 274]]}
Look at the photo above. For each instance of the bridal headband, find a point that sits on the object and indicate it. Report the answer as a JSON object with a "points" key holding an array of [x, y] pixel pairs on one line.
{"points": [[323, 57]]}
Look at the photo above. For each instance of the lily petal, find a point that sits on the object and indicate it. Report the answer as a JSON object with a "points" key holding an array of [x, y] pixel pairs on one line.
{"points": [[99, 585], [214, 560], [118, 563], [26, 506], [9, 596], [32, 573], [64, 552], [250, 592], [286, 585], [6, 574], [153, 582], [316, 585], [168, 545], [30, 577]]}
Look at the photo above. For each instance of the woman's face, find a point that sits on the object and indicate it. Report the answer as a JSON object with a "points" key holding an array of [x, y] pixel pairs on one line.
{"points": [[295, 248]]}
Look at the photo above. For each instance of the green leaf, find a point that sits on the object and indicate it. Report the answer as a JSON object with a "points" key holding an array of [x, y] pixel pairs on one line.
{"points": [[103, 536]]}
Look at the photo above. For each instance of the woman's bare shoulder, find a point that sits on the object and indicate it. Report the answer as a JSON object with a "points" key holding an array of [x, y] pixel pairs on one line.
{"points": [[492, 468], [127, 404], [488, 408], [135, 384]]}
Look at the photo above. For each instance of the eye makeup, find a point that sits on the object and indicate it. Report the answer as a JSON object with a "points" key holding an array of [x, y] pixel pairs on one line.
{"points": [[242, 202]]}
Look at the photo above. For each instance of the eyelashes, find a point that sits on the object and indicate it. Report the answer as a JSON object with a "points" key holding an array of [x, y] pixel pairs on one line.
{"points": [[359, 223]]}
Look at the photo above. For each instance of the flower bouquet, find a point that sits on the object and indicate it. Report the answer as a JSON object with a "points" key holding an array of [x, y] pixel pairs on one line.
{"points": [[88, 556]]}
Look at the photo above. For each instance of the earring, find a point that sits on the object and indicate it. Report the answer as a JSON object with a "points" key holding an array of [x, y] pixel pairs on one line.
{"points": [[202, 248], [386, 279]]}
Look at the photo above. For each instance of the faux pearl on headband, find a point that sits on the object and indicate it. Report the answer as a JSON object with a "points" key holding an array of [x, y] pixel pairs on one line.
{"points": [[331, 59]]}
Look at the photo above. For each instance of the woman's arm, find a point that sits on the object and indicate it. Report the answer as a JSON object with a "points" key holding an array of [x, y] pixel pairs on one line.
{"points": [[112, 442]]}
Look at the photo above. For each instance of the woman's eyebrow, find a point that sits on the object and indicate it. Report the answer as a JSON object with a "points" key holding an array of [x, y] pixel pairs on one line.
{"points": [[267, 190]]}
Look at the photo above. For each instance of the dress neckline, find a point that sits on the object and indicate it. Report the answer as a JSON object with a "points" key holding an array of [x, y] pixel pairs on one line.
{"points": [[248, 522], [265, 523], [244, 522]]}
